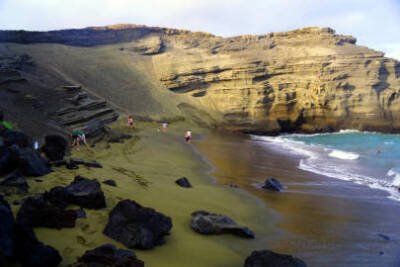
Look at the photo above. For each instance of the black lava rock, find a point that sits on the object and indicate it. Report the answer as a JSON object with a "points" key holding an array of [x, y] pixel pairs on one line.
{"points": [[136, 226], [110, 182], [85, 193], [267, 258], [108, 255], [31, 252], [37, 212], [16, 138], [6, 230], [183, 182], [28, 161], [55, 147], [273, 185], [213, 224]]}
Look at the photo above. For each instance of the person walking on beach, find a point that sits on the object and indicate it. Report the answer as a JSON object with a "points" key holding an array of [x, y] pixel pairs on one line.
{"points": [[79, 136], [164, 126], [188, 136], [130, 121]]}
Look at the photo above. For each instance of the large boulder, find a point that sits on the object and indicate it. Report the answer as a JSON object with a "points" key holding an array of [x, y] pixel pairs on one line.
{"points": [[5, 157], [213, 224], [28, 161], [85, 193], [17, 138], [31, 252], [183, 182], [55, 147], [273, 185], [136, 226], [37, 212], [6, 230], [267, 258], [108, 255]]}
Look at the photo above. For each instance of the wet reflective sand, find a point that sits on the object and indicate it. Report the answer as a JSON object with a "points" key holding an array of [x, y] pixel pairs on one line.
{"points": [[326, 222]]}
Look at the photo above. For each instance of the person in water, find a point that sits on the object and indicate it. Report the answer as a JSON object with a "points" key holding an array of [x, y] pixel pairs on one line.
{"points": [[79, 136], [130, 121], [188, 136], [164, 126]]}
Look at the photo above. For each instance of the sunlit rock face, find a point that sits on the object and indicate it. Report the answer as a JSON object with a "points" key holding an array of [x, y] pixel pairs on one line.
{"points": [[306, 80]]}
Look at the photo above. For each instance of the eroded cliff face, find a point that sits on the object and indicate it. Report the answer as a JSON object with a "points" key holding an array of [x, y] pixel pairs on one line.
{"points": [[307, 80]]}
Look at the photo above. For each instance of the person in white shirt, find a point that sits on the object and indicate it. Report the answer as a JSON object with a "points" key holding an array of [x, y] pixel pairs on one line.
{"points": [[164, 127], [188, 136]]}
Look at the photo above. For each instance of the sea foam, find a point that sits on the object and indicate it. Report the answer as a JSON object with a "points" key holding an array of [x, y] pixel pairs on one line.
{"points": [[339, 154]]}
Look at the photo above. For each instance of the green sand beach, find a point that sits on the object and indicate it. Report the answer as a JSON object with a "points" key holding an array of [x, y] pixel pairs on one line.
{"points": [[145, 169]]}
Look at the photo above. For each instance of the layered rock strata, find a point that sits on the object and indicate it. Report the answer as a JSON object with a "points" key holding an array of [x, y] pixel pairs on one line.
{"points": [[306, 80]]}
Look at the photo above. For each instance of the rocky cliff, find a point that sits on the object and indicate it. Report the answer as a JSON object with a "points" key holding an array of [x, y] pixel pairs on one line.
{"points": [[306, 80]]}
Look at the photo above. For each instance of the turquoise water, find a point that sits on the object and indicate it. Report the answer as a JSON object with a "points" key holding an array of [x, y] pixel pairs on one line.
{"points": [[366, 158]]}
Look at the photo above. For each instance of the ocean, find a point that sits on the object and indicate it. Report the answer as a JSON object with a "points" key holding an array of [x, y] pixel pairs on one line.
{"points": [[365, 158]]}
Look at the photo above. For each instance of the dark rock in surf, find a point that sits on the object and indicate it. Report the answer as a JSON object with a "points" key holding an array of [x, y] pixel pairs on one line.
{"points": [[267, 258], [384, 237], [37, 212], [108, 255], [55, 147], [213, 224], [136, 226], [110, 182], [31, 252], [183, 182], [273, 185]]}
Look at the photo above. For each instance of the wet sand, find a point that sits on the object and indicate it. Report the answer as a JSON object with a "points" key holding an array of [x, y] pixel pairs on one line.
{"points": [[145, 169], [326, 222]]}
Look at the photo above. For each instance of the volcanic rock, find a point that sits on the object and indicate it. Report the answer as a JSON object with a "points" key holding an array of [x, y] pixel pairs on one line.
{"points": [[110, 182], [183, 182], [108, 255], [85, 193], [212, 224], [136, 226], [31, 252], [55, 147], [37, 212], [273, 185], [6, 230], [266, 258], [28, 161]]}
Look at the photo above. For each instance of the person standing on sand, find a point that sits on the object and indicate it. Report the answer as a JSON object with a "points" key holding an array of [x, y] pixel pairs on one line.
{"points": [[164, 126], [130, 121], [188, 136], [79, 136]]}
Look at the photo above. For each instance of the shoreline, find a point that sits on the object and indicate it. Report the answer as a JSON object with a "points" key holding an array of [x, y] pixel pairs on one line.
{"points": [[329, 221]]}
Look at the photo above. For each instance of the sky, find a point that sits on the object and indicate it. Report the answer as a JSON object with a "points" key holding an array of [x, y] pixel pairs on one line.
{"points": [[375, 23]]}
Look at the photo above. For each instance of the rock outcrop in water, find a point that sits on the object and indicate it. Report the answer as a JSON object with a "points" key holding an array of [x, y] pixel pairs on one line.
{"points": [[306, 80]]}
